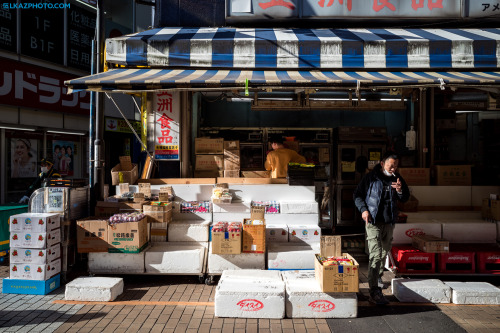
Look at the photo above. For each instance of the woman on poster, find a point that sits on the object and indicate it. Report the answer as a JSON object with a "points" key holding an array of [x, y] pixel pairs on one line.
{"points": [[23, 161]]}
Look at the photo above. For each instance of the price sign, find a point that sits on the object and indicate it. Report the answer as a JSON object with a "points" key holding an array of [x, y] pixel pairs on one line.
{"points": [[124, 188], [145, 188]]}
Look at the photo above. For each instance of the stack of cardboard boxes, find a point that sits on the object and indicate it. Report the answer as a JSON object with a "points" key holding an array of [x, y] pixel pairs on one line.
{"points": [[231, 159], [209, 157], [35, 255]]}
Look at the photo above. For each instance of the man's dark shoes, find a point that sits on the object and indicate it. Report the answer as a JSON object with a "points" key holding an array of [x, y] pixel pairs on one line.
{"points": [[377, 298]]}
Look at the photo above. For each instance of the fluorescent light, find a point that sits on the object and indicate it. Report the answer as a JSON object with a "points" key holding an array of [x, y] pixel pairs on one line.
{"points": [[392, 99], [65, 132], [467, 111], [13, 127], [241, 99]]}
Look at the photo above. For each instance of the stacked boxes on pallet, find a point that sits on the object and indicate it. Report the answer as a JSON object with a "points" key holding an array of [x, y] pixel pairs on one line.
{"points": [[35, 256], [231, 159], [209, 158]]}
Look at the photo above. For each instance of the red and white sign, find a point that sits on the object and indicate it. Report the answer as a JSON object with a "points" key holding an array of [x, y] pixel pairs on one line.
{"points": [[250, 305], [321, 305], [167, 119], [414, 232], [24, 85]]}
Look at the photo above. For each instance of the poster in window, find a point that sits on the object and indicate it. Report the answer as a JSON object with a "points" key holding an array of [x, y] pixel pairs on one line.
{"points": [[63, 155], [23, 158]]}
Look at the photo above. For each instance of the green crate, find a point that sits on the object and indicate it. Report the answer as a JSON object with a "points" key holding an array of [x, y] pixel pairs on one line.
{"points": [[6, 211]]}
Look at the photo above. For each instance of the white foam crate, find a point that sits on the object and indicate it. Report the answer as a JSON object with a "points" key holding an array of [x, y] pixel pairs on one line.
{"points": [[282, 256], [176, 258], [421, 291], [116, 263], [94, 289], [217, 263], [188, 231]]}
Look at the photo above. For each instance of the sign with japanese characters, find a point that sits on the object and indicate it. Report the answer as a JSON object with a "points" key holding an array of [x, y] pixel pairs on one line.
{"points": [[166, 110], [24, 85], [484, 8], [346, 8], [120, 125], [8, 21], [41, 34], [81, 26]]}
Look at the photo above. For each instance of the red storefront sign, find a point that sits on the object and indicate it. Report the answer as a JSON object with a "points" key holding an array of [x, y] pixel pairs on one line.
{"points": [[24, 85]]}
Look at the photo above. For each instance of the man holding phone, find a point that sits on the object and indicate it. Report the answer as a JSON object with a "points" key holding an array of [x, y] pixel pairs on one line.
{"points": [[376, 198]]}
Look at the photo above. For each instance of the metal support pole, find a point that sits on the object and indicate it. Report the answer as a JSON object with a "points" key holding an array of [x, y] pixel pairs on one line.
{"points": [[3, 163], [431, 127], [99, 142], [185, 134]]}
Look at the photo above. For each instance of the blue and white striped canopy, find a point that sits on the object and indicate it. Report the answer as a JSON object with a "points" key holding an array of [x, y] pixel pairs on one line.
{"points": [[158, 79], [325, 49]]}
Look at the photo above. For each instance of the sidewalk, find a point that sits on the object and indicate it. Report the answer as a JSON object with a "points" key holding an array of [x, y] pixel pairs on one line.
{"points": [[182, 304]]}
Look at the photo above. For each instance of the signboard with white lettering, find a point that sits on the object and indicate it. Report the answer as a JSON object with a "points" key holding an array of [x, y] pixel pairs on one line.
{"points": [[35, 87], [8, 21], [166, 108], [41, 33], [81, 27]]}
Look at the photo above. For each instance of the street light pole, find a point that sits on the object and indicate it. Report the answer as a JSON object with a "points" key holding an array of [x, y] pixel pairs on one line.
{"points": [[99, 117]]}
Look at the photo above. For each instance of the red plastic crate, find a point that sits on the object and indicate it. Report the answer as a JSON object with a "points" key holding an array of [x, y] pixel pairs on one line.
{"points": [[488, 262], [457, 262], [411, 260]]}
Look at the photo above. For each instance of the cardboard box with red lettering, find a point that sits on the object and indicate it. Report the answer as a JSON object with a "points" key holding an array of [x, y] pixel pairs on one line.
{"points": [[92, 235], [416, 176], [208, 146], [209, 162], [128, 237], [39, 272], [453, 175], [226, 238], [35, 240], [34, 256], [254, 232], [430, 244], [336, 277], [34, 222]]}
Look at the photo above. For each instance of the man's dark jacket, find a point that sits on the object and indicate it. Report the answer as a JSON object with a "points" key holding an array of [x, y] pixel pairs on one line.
{"points": [[371, 188], [41, 177]]}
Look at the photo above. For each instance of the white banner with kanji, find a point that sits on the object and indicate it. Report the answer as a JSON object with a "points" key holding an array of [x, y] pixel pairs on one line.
{"points": [[167, 115]]}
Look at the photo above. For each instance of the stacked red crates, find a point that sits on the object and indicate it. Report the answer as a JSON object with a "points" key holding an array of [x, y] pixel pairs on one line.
{"points": [[413, 261], [460, 260], [487, 257]]}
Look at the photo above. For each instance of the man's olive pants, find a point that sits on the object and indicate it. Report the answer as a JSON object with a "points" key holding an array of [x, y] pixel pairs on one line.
{"points": [[379, 237]]}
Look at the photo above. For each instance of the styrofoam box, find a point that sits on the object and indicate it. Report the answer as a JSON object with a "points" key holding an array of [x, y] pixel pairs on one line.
{"points": [[474, 293], [217, 263], [292, 219], [35, 240], [421, 291], [34, 222], [188, 231], [35, 256], [234, 207], [304, 233], [250, 294], [403, 232], [299, 207], [39, 272], [304, 298], [276, 233], [116, 263], [470, 232], [94, 289], [283, 256], [176, 257]]}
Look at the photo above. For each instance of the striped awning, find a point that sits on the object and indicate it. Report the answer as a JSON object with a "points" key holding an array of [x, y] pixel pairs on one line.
{"points": [[326, 49], [158, 79]]}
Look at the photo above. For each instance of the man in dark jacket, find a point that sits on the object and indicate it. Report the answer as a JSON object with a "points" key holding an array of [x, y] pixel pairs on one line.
{"points": [[376, 197], [47, 172]]}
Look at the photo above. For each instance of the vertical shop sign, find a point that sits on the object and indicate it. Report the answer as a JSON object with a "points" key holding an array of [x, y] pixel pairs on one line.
{"points": [[81, 26], [8, 22], [167, 118]]}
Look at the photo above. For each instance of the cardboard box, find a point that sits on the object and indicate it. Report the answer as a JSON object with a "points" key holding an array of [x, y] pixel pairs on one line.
{"points": [[231, 159], [232, 145], [34, 222], [254, 235], [120, 175], [486, 209], [31, 287], [453, 175], [277, 233], [158, 214], [416, 176], [208, 146], [130, 207], [304, 233], [324, 155], [231, 173], [336, 278], [35, 240], [106, 208], [128, 237], [410, 206], [208, 173], [430, 244], [209, 162], [495, 210], [226, 242], [34, 256], [256, 174], [39, 272], [92, 235]]}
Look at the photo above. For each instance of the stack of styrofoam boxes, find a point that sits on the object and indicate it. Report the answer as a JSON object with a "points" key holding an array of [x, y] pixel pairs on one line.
{"points": [[231, 159], [35, 256], [217, 263], [296, 252], [209, 158], [186, 248]]}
